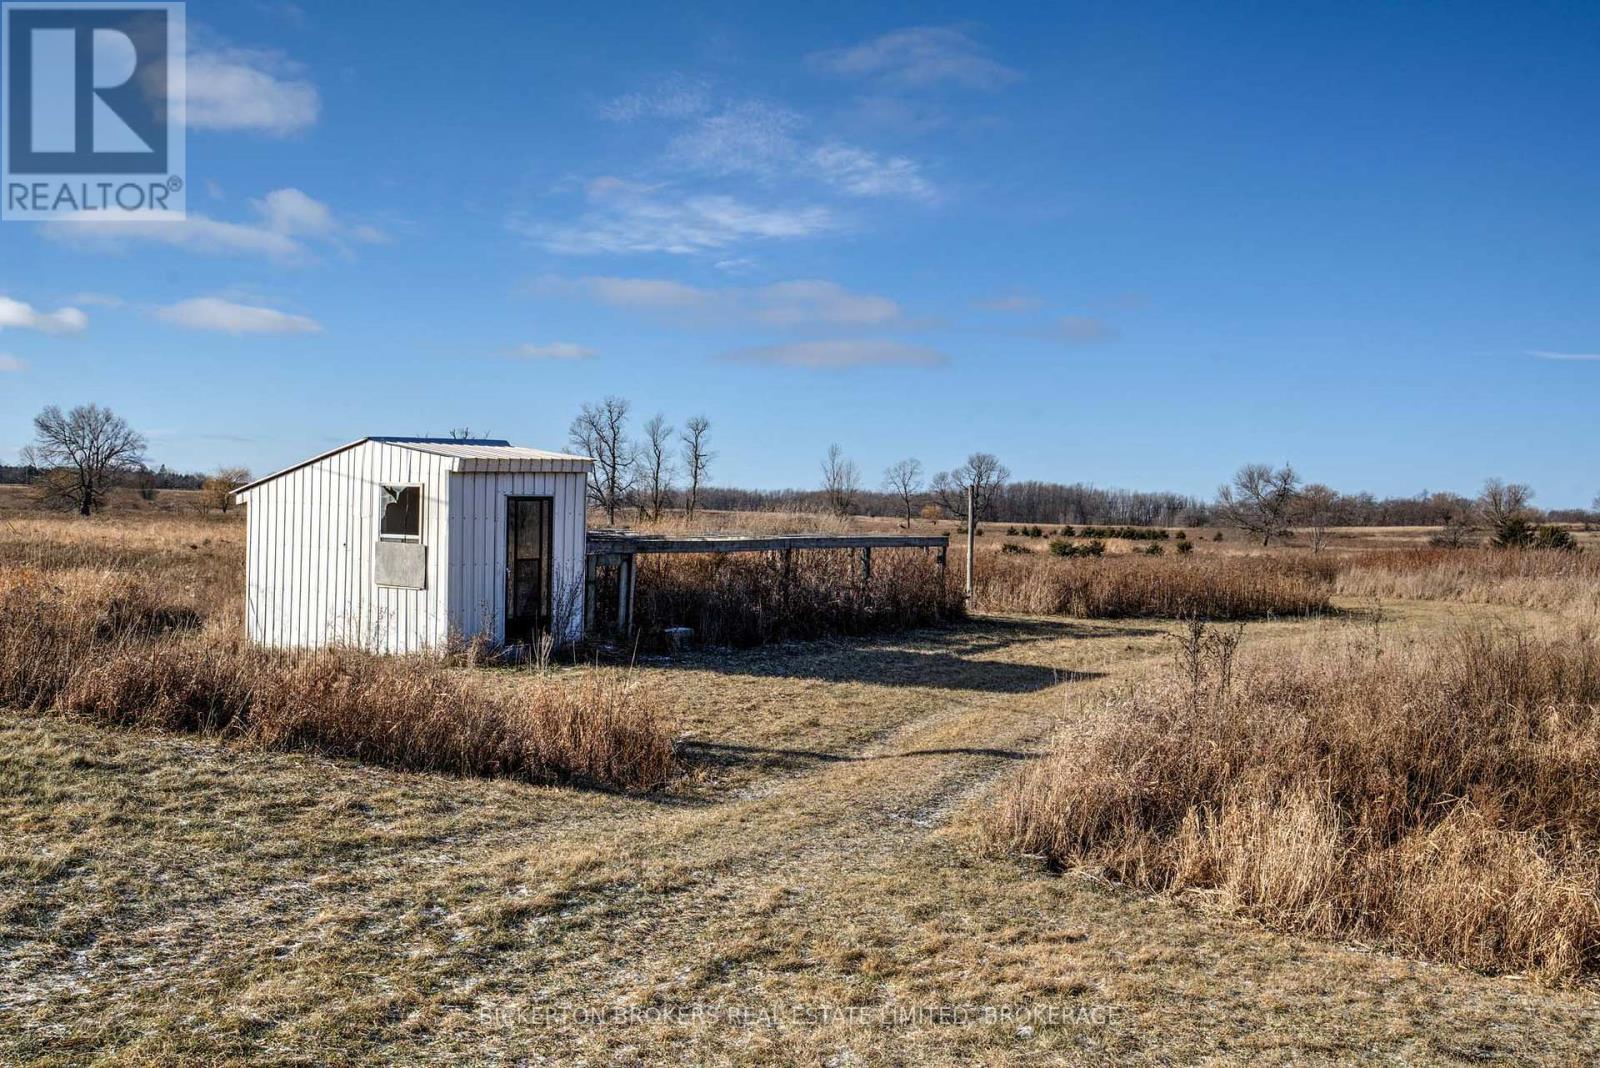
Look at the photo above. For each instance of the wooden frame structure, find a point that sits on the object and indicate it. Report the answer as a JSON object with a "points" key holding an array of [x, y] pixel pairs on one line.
{"points": [[621, 549]]}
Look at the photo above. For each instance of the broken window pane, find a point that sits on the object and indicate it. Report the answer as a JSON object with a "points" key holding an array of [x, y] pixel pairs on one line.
{"points": [[402, 512]]}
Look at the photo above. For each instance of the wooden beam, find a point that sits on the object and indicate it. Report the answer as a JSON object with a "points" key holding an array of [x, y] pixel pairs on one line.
{"points": [[603, 543]]}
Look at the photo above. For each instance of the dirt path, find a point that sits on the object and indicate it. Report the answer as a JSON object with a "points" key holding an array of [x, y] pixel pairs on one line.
{"points": [[817, 892]]}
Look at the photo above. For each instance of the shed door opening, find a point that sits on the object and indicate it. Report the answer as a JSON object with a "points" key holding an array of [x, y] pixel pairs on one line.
{"points": [[528, 555]]}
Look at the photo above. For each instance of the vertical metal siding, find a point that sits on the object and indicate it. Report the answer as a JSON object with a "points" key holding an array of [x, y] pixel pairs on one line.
{"points": [[310, 535], [478, 542]]}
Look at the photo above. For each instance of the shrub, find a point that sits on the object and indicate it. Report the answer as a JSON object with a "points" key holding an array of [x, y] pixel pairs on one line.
{"points": [[1013, 549], [1180, 536], [1443, 799], [1127, 533], [1185, 548], [1553, 537], [1154, 549], [749, 599], [1011, 532]]}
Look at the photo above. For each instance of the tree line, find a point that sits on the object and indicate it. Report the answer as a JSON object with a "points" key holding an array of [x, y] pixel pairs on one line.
{"points": [[79, 456]]}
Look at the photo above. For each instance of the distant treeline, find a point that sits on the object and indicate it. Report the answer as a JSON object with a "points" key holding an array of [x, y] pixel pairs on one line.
{"points": [[163, 479], [1079, 504]]}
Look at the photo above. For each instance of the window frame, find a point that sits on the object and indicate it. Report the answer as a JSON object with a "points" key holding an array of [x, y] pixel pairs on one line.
{"points": [[383, 506]]}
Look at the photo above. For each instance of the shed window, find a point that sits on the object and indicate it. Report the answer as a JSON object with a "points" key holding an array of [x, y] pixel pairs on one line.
{"points": [[402, 512]]}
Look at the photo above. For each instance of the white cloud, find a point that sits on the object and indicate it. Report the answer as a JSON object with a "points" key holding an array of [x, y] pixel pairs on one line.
{"points": [[240, 89], [14, 313], [228, 317], [556, 350], [838, 354], [747, 137], [1579, 356], [801, 303], [866, 174], [676, 97], [289, 211], [918, 58], [9, 364], [624, 218], [287, 220]]}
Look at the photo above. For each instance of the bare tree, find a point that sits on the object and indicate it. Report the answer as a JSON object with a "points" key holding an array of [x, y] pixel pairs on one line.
{"points": [[696, 460], [85, 450], [1318, 508], [983, 472], [1503, 509], [464, 433], [656, 464], [601, 433], [841, 481], [1261, 501], [217, 490], [904, 480]]}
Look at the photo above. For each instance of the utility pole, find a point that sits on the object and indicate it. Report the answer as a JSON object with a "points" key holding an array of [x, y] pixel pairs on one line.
{"points": [[972, 538]]}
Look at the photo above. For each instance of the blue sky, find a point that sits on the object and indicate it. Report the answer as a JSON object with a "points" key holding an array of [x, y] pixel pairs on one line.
{"points": [[1127, 244]]}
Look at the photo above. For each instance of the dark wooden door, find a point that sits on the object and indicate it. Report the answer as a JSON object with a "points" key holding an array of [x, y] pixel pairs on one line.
{"points": [[528, 553]]}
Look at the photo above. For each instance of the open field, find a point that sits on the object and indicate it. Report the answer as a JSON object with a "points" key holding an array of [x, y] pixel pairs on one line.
{"points": [[826, 845]]}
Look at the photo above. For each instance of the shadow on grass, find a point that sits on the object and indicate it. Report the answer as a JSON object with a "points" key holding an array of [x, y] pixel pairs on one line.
{"points": [[724, 755], [947, 658]]}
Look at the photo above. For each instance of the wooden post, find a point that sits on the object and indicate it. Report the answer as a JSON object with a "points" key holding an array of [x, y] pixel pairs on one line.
{"points": [[972, 540], [866, 565], [591, 575]]}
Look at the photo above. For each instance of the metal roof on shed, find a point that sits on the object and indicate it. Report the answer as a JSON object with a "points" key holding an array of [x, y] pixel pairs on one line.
{"points": [[473, 454]]}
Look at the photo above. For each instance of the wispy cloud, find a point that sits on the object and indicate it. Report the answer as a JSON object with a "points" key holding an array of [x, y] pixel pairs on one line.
{"points": [[96, 300], [918, 57], [9, 364], [288, 222], [555, 350], [20, 315], [626, 218], [674, 97], [1080, 330], [866, 174], [225, 316], [243, 89], [1579, 356], [840, 354], [757, 139], [798, 304]]}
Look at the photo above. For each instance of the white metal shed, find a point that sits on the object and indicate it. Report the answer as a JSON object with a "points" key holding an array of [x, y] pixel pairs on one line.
{"points": [[400, 544]]}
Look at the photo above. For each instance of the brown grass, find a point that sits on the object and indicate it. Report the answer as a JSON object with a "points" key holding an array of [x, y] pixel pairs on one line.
{"points": [[1118, 587], [1564, 582], [113, 651], [748, 599], [1442, 799]]}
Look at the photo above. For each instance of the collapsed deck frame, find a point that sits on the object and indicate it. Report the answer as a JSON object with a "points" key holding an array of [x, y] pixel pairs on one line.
{"points": [[621, 549]]}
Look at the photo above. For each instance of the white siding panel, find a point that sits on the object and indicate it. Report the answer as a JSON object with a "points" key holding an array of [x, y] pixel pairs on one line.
{"points": [[479, 563], [311, 536]]}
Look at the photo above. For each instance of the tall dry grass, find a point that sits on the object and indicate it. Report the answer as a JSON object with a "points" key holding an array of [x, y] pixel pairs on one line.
{"points": [[113, 650], [1443, 799], [1563, 582], [1114, 587], [751, 598]]}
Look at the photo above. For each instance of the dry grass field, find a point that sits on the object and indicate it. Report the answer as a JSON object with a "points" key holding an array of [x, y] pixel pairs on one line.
{"points": [[820, 880]]}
